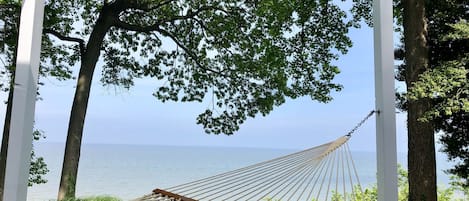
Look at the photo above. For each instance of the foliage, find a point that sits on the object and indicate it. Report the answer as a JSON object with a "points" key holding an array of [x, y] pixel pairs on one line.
{"points": [[270, 199], [95, 198], [371, 194], [38, 166], [245, 57], [448, 86], [52, 62], [460, 31], [362, 10], [9, 21], [458, 184], [446, 81], [403, 184]]}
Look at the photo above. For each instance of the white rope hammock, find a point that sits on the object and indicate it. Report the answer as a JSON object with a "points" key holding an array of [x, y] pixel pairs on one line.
{"points": [[319, 173]]}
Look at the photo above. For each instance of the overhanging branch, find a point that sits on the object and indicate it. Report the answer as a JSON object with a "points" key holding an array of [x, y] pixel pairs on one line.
{"points": [[148, 28], [159, 5], [187, 50], [121, 5], [81, 42], [191, 14], [156, 27], [132, 27]]}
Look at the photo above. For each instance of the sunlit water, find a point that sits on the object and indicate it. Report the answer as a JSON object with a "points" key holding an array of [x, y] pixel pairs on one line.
{"points": [[131, 171]]}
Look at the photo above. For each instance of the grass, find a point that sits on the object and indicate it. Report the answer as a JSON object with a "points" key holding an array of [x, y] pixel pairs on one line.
{"points": [[96, 198]]}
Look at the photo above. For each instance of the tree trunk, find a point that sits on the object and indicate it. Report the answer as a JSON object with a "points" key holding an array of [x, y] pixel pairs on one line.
{"points": [[6, 125], [5, 138], [74, 135], [421, 143], [80, 103]]}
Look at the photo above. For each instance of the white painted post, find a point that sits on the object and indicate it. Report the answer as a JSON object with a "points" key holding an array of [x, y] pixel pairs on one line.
{"points": [[385, 100], [24, 100]]}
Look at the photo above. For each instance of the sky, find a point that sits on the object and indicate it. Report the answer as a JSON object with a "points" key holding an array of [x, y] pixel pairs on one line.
{"points": [[119, 116]]}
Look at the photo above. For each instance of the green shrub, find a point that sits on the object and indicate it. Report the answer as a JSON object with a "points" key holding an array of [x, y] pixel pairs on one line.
{"points": [[371, 194], [96, 198]]}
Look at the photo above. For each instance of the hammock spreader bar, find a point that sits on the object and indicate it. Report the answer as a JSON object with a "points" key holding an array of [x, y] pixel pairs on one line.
{"points": [[171, 195]]}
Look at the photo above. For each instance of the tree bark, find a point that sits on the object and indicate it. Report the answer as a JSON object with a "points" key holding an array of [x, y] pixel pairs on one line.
{"points": [[5, 138], [6, 125], [80, 103], [421, 143]]}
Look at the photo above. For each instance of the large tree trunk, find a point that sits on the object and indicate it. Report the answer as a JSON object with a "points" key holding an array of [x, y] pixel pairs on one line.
{"points": [[80, 103], [5, 138], [421, 145], [74, 135]]}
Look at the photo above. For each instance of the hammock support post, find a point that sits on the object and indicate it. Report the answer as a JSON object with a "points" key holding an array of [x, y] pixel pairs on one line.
{"points": [[385, 97], [24, 96]]}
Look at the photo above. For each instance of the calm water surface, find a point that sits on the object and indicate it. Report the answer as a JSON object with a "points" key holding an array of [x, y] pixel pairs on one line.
{"points": [[130, 171]]}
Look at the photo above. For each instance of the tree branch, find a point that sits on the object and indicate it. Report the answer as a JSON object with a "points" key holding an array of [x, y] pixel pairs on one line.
{"points": [[121, 5], [187, 50], [155, 7], [132, 27], [156, 26], [191, 14], [80, 41]]}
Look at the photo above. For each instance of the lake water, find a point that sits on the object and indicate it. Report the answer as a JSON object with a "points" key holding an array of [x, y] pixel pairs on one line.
{"points": [[131, 171]]}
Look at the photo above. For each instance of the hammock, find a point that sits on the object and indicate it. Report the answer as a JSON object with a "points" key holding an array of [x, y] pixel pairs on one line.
{"points": [[321, 173]]}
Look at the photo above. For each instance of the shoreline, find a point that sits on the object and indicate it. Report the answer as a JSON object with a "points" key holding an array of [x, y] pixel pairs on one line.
{"points": [[129, 172]]}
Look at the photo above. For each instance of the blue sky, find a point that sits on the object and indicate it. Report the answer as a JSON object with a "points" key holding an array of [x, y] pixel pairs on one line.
{"points": [[118, 116]]}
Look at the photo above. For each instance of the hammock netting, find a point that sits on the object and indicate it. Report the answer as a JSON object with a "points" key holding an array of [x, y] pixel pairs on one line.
{"points": [[323, 172]]}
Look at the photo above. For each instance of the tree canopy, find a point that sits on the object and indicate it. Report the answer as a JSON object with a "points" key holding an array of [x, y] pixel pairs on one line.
{"points": [[244, 57]]}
